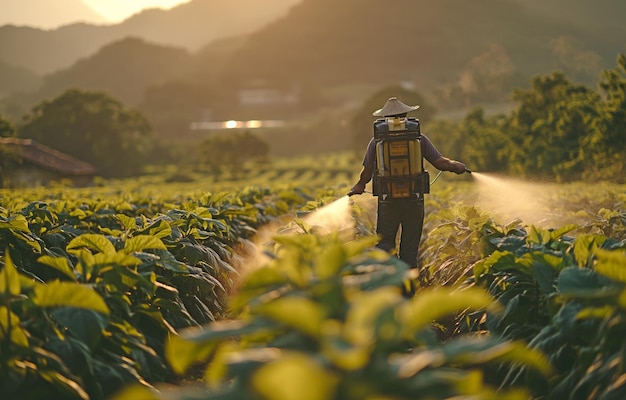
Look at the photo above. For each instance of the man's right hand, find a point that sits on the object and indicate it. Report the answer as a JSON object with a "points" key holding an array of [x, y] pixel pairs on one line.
{"points": [[357, 189]]}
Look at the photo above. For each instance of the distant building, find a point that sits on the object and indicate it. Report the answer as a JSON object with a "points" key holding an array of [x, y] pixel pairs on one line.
{"points": [[259, 93], [41, 165]]}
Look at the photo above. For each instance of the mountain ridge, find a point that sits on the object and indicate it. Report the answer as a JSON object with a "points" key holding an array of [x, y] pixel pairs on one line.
{"points": [[47, 14], [449, 45], [189, 25]]}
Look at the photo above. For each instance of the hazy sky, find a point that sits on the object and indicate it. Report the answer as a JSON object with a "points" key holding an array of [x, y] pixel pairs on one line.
{"points": [[118, 10]]}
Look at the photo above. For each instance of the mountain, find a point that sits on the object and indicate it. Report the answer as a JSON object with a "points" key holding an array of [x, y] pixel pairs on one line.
{"points": [[327, 42], [46, 14], [199, 22], [124, 68], [321, 44], [189, 25], [14, 79]]}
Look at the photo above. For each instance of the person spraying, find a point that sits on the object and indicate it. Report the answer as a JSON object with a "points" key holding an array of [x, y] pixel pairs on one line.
{"points": [[394, 161]]}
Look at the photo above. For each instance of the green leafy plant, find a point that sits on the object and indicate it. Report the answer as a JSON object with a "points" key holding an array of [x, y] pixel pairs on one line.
{"points": [[326, 319]]}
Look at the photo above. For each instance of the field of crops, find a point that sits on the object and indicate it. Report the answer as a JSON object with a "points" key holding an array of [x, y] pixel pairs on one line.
{"points": [[153, 290]]}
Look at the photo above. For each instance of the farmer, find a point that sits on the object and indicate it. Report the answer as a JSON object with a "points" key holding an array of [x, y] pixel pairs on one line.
{"points": [[408, 211]]}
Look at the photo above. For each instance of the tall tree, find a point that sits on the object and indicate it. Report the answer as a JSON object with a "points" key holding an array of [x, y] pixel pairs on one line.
{"points": [[232, 152], [549, 126], [485, 143], [7, 129], [610, 133], [9, 159], [93, 127]]}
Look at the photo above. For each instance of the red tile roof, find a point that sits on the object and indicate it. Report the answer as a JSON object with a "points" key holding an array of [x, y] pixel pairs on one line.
{"points": [[48, 158]]}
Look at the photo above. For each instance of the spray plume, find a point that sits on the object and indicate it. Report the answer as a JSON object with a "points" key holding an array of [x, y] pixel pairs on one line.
{"points": [[335, 216], [508, 199]]}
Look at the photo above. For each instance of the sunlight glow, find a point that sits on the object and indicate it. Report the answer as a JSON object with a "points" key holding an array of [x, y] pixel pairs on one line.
{"points": [[119, 10], [231, 124]]}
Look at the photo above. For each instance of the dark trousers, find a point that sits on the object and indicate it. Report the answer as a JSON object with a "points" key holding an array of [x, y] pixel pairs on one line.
{"points": [[408, 214]]}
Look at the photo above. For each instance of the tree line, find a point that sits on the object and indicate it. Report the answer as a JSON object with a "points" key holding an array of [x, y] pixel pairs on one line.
{"points": [[557, 130], [118, 141]]}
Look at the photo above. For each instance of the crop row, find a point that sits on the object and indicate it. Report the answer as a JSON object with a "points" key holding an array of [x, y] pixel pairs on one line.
{"points": [[91, 287], [507, 311]]}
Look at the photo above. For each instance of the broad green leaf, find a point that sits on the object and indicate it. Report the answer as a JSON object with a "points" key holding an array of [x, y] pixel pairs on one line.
{"points": [[242, 363], [159, 229], [585, 283], [585, 246], [16, 222], [295, 312], [143, 242], [596, 312], [120, 258], [410, 365], [558, 233], [182, 354], [167, 260], [72, 388], [612, 264], [66, 294], [91, 241], [86, 325], [539, 236], [365, 309], [137, 392], [344, 355], [202, 212], [431, 304], [265, 277], [543, 268], [476, 351], [129, 223], [10, 277], [295, 376], [9, 320], [78, 213], [221, 330], [501, 260], [18, 225], [61, 264], [329, 261], [357, 247]]}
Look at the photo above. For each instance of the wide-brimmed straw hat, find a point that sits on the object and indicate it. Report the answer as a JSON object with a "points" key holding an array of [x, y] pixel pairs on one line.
{"points": [[393, 106]]}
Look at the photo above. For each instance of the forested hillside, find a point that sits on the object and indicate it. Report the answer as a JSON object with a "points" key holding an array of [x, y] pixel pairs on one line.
{"points": [[410, 39], [126, 68]]}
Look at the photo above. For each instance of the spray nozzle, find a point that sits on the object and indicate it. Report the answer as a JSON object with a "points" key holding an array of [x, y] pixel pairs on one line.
{"points": [[468, 170]]}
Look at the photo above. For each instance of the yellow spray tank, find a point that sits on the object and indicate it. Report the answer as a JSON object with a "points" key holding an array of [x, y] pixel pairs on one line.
{"points": [[399, 164]]}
